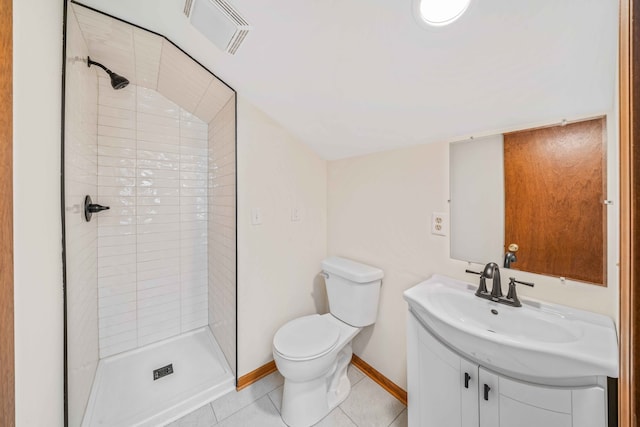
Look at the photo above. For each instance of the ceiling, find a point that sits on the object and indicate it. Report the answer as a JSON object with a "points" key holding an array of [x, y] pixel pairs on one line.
{"points": [[355, 77]]}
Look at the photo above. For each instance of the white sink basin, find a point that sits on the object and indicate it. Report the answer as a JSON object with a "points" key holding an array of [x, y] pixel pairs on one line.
{"points": [[533, 342]]}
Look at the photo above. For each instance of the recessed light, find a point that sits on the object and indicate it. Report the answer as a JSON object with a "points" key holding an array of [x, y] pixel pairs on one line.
{"points": [[441, 12]]}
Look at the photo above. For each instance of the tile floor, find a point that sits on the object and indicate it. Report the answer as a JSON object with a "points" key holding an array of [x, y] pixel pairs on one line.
{"points": [[368, 405]]}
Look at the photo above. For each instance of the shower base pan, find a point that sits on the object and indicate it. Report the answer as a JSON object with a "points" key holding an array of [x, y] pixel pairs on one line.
{"points": [[125, 392]]}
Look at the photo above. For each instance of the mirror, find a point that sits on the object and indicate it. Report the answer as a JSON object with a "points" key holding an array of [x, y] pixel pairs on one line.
{"points": [[534, 199]]}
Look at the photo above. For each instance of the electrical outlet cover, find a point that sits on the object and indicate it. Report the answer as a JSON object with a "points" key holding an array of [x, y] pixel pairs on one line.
{"points": [[439, 223]]}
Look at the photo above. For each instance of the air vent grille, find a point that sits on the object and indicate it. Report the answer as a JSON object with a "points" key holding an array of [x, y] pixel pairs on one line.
{"points": [[187, 7], [233, 14], [219, 22]]}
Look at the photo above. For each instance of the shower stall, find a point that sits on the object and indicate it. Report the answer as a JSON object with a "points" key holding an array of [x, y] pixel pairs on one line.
{"points": [[150, 282]]}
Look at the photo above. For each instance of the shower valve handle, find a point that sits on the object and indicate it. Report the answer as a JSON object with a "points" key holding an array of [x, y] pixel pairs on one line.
{"points": [[90, 208], [93, 208]]}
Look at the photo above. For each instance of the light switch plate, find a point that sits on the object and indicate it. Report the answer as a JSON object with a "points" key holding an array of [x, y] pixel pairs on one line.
{"points": [[295, 214]]}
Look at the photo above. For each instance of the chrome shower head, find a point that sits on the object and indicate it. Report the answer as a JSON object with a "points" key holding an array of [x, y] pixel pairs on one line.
{"points": [[117, 81]]}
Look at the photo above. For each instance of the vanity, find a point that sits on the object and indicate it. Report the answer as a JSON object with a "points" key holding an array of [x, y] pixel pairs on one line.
{"points": [[475, 362]]}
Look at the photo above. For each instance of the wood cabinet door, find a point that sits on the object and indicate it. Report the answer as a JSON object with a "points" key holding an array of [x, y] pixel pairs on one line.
{"points": [[555, 189]]}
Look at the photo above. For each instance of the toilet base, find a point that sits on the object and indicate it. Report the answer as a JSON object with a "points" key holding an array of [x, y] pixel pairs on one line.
{"points": [[306, 403]]}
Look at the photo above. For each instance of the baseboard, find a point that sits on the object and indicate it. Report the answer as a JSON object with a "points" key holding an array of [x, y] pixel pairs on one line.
{"points": [[384, 382], [256, 375], [391, 387]]}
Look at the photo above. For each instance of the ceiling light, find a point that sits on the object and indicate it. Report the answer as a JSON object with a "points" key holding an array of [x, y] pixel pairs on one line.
{"points": [[442, 12]]}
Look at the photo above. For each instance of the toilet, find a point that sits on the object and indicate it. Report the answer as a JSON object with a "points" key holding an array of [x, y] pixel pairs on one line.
{"points": [[313, 352]]}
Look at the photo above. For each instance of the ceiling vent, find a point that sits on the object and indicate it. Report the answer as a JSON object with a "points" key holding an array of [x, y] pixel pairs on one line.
{"points": [[218, 21]]}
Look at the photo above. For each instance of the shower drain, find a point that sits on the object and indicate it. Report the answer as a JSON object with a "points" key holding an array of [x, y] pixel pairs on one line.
{"points": [[162, 372]]}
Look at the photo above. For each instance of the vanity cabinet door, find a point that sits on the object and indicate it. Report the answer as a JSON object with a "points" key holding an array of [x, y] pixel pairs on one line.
{"points": [[510, 403], [440, 394]]}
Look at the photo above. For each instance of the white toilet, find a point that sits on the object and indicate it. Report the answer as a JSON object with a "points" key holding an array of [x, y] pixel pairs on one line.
{"points": [[313, 352]]}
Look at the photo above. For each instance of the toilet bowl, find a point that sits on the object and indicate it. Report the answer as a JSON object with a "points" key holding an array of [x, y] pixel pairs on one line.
{"points": [[313, 352]]}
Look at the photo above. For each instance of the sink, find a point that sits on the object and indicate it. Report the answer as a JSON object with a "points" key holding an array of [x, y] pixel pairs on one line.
{"points": [[537, 341]]}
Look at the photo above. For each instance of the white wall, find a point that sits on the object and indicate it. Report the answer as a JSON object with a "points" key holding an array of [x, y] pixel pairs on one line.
{"points": [[37, 50], [81, 178], [278, 260], [379, 213]]}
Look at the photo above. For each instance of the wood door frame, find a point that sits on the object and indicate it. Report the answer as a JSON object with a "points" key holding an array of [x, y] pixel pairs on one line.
{"points": [[629, 240], [7, 355]]}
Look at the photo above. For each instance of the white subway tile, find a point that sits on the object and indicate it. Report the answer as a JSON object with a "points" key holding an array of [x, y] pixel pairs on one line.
{"points": [[116, 300], [116, 132], [119, 152], [117, 122], [158, 219], [169, 263], [106, 351], [144, 247], [120, 288], [158, 146], [158, 282], [129, 335], [158, 164], [153, 168], [116, 280], [116, 161], [117, 309], [164, 304], [161, 333], [146, 135], [119, 329], [154, 274], [158, 200], [116, 270], [151, 191]]}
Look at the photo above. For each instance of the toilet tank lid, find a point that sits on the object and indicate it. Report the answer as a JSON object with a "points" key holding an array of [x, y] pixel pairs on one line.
{"points": [[351, 270]]}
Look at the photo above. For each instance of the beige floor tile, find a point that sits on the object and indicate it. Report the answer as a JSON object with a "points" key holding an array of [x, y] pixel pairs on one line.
{"points": [[401, 421], [336, 418], [369, 405], [276, 397], [234, 401], [201, 417], [260, 413]]}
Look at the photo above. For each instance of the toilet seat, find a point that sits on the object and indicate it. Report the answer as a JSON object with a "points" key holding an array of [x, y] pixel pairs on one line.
{"points": [[306, 338]]}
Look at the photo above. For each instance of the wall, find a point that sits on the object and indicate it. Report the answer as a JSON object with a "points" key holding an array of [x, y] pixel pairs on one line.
{"points": [[37, 47], [152, 243], [379, 212], [222, 230], [81, 171], [278, 260]]}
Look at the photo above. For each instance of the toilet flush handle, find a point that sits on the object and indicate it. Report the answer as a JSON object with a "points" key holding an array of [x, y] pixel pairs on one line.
{"points": [[325, 275]]}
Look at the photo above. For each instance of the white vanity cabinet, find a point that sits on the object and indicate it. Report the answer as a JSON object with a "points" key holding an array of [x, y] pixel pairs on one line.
{"points": [[447, 390]]}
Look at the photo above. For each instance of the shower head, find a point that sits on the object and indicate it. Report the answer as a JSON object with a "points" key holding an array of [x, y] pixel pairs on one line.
{"points": [[117, 81]]}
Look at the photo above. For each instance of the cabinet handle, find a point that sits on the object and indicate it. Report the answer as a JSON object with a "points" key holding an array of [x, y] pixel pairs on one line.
{"points": [[467, 377], [486, 392]]}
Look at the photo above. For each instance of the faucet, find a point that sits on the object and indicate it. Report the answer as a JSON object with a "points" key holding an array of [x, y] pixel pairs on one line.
{"points": [[509, 258], [491, 271]]}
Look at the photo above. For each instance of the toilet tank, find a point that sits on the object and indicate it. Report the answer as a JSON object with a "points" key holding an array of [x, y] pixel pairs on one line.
{"points": [[353, 290]]}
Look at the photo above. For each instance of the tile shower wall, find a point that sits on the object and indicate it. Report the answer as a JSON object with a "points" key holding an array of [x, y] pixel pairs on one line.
{"points": [[222, 230], [152, 243], [81, 237]]}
